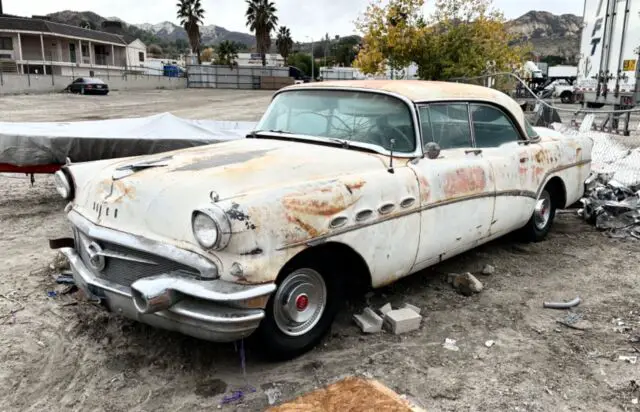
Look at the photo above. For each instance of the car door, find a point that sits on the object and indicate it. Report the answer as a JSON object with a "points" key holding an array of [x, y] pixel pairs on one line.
{"points": [[510, 154], [457, 188], [76, 85]]}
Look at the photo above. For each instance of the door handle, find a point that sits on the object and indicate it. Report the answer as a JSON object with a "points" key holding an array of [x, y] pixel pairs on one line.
{"points": [[474, 151]]}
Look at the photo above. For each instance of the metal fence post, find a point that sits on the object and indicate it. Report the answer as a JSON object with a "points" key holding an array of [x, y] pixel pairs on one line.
{"points": [[53, 82]]}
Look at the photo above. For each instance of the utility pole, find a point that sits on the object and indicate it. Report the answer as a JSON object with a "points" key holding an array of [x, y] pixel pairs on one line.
{"points": [[1, 13], [312, 59]]}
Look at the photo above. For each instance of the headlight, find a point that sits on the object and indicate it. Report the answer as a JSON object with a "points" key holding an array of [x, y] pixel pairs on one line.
{"points": [[205, 230], [63, 184], [211, 228]]}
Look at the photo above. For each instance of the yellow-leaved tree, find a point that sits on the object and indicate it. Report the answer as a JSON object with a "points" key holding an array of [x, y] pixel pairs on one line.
{"points": [[391, 35], [462, 38]]}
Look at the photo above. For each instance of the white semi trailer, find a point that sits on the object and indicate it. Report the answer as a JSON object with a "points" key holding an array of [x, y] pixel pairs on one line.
{"points": [[608, 68]]}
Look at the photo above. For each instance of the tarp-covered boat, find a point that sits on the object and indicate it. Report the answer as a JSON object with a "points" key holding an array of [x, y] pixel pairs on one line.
{"points": [[43, 146]]}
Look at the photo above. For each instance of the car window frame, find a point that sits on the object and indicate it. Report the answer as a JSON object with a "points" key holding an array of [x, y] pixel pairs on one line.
{"points": [[410, 104], [421, 105], [524, 137]]}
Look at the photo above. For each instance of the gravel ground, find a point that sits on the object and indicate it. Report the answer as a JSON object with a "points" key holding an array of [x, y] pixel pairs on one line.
{"points": [[61, 353]]}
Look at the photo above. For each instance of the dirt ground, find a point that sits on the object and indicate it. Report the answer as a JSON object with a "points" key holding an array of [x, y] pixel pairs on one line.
{"points": [[60, 354]]}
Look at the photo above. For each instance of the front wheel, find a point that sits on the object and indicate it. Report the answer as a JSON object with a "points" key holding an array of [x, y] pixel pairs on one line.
{"points": [[300, 312], [540, 223]]}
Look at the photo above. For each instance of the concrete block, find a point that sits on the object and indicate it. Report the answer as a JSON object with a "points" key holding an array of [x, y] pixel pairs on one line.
{"points": [[402, 321], [385, 309], [413, 308], [369, 321]]}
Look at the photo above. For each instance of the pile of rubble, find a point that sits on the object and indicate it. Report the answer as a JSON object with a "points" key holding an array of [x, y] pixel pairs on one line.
{"points": [[612, 196], [612, 206]]}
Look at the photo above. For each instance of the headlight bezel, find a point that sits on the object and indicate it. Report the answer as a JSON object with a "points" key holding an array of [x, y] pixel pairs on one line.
{"points": [[222, 225], [64, 184]]}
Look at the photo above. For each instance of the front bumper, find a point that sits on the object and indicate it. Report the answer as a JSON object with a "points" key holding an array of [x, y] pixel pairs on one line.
{"points": [[204, 308]]}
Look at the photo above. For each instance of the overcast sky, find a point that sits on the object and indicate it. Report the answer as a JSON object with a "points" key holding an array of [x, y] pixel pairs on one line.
{"points": [[305, 18]]}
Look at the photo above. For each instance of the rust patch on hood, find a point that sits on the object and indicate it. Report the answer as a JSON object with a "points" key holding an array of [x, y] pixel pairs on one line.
{"points": [[311, 231], [465, 181], [323, 201], [355, 185]]}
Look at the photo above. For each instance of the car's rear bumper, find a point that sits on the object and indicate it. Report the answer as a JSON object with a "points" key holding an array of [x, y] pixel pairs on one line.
{"points": [[199, 308]]}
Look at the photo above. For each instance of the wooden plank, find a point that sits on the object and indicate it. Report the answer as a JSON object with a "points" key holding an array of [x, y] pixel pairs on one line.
{"points": [[349, 395]]}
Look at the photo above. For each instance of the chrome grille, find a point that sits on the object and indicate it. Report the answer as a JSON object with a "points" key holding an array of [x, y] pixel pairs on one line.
{"points": [[124, 272]]}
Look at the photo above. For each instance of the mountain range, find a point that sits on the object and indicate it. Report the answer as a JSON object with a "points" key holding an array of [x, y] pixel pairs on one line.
{"points": [[549, 34]]}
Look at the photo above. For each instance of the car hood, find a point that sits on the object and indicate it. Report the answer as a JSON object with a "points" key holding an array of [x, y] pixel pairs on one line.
{"points": [[159, 192]]}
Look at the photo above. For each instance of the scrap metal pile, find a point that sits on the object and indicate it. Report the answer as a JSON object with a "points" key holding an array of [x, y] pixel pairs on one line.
{"points": [[612, 193]]}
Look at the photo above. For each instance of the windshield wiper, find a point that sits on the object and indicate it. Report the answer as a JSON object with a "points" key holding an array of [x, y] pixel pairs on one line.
{"points": [[343, 142]]}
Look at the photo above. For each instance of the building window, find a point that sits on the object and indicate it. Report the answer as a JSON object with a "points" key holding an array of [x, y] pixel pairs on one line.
{"points": [[141, 56], [6, 43]]}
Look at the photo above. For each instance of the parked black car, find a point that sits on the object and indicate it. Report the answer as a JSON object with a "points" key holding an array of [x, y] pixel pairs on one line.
{"points": [[88, 85]]}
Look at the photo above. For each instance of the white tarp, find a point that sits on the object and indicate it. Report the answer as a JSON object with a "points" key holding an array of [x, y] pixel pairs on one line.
{"points": [[30, 144]]}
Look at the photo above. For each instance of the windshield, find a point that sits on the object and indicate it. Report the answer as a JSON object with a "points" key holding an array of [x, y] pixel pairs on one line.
{"points": [[352, 116]]}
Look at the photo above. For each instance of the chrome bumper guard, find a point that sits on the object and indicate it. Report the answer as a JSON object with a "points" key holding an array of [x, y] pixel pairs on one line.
{"points": [[200, 308]]}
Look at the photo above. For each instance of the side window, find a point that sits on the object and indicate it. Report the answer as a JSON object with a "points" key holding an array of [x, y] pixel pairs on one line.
{"points": [[492, 127], [446, 124]]}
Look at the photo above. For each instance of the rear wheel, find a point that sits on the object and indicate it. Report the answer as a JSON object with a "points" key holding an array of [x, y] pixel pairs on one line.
{"points": [[300, 312], [540, 223]]}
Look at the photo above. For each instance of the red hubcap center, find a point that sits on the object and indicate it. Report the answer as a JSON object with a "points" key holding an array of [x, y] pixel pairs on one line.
{"points": [[302, 302]]}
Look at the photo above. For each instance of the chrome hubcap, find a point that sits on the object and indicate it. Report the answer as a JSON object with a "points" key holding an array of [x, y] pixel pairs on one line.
{"points": [[299, 302], [542, 212]]}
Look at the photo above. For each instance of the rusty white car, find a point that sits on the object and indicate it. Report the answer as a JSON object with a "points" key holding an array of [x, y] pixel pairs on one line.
{"points": [[341, 185]]}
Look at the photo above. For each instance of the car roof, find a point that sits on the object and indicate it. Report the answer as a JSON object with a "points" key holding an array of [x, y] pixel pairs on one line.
{"points": [[424, 91]]}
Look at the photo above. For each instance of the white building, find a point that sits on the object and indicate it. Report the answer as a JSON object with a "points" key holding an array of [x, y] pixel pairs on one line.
{"points": [[255, 59], [352, 73], [45, 47], [137, 55]]}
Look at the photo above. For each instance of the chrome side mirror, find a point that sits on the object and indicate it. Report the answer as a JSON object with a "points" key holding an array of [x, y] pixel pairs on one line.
{"points": [[432, 150]]}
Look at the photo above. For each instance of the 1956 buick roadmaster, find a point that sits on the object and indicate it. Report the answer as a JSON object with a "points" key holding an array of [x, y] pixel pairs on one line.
{"points": [[341, 185]]}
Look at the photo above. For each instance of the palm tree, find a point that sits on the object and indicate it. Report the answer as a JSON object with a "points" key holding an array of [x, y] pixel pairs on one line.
{"points": [[191, 13], [284, 42], [227, 53], [262, 19]]}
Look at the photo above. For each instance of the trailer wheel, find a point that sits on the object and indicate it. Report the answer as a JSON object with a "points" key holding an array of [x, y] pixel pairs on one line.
{"points": [[567, 97]]}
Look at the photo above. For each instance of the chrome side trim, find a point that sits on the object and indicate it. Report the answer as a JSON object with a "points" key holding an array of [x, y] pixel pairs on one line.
{"points": [[515, 193], [206, 268]]}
